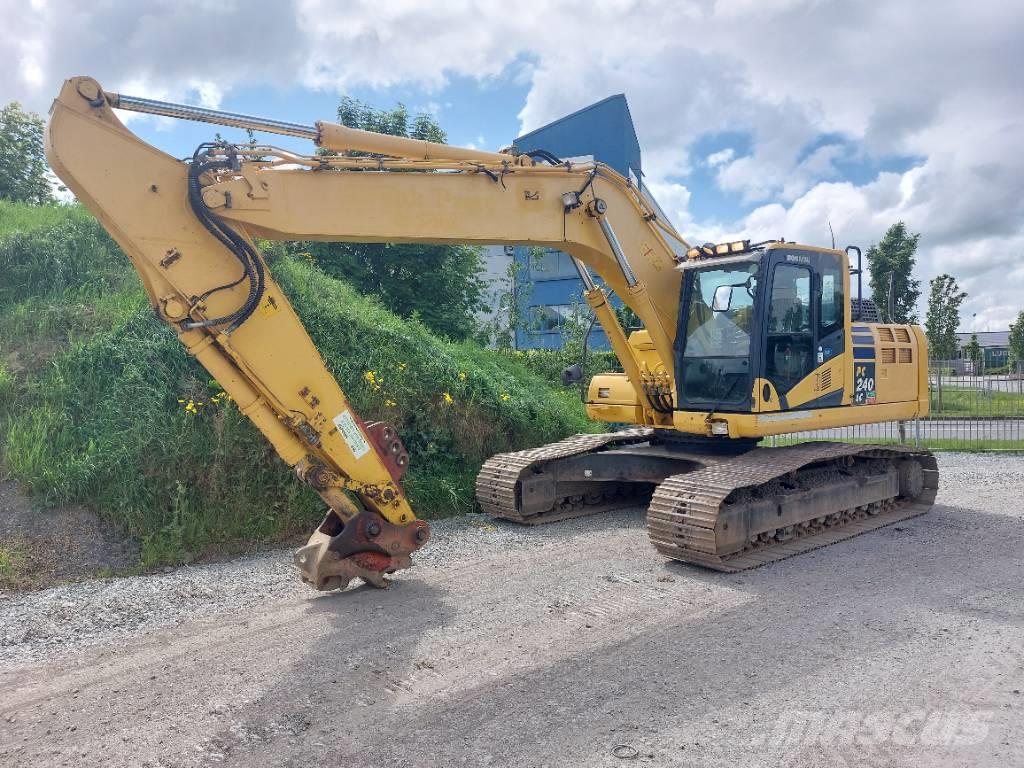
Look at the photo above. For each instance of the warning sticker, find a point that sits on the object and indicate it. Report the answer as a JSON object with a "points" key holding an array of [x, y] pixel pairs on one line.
{"points": [[353, 436]]}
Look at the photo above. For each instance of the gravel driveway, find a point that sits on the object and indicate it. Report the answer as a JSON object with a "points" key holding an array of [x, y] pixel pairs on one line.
{"points": [[568, 645]]}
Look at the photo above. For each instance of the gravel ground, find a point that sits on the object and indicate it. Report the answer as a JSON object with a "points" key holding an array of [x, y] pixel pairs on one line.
{"points": [[63, 544], [547, 646]]}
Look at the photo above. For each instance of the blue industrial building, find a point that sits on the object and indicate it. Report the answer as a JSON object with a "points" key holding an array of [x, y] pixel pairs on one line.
{"points": [[548, 286]]}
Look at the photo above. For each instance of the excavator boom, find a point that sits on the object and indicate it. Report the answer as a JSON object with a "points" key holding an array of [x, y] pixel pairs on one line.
{"points": [[739, 340], [189, 229]]}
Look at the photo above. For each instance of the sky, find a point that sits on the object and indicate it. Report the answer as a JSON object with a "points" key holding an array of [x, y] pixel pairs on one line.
{"points": [[756, 118]]}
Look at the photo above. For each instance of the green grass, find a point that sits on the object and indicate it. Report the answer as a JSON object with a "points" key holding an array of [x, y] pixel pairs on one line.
{"points": [[35, 330], [15, 564], [952, 444], [73, 254], [22, 217], [969, 402], [550, 362], [974, 445], [101, 421]]}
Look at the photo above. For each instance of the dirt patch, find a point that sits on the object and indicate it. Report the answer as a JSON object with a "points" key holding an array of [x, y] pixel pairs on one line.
{"points": [[40, 548]]}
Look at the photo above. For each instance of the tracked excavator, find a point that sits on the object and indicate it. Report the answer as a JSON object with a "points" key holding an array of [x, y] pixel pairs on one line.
{"points": [[740, 340]]}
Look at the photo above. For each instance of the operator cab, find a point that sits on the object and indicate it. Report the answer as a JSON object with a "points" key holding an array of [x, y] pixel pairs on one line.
{"points": [[769, 315]]}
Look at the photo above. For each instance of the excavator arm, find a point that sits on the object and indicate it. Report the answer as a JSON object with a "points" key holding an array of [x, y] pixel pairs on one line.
{"points": [[190, 230]]}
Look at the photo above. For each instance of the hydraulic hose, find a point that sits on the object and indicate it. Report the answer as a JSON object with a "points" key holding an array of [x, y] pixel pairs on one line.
{"points": [[252, 265]]}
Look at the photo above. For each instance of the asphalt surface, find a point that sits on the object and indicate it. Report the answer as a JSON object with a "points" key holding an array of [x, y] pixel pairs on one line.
{"points": [[557, 646]]}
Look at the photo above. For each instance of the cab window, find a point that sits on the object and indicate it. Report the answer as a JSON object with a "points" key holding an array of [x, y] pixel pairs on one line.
{"points": [[790, 352], [831, 315]]}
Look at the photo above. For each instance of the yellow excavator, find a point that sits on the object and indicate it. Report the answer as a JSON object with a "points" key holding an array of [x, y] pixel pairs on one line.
{"points": [[740, 340]]}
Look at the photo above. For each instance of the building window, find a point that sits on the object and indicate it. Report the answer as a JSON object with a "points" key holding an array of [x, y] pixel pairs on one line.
{"points": [[551, 263], [549, 318]]}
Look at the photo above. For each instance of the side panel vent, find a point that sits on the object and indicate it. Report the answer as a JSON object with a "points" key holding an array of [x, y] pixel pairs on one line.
{"points": [[888, 355], [823, 380], [885, 334], [906, 355], [903, 335]]}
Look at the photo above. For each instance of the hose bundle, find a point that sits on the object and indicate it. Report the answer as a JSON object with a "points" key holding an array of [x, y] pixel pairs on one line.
{"points": [[252, 265]]}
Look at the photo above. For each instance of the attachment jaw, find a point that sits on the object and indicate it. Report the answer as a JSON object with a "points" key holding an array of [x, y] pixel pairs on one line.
{"points": [[367, 547]]}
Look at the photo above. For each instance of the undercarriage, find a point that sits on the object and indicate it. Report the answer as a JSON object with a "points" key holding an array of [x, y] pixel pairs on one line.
{"points": [[728, 506]]}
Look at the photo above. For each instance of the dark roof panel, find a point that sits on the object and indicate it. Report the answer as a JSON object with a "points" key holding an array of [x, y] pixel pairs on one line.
{"points": [[604, 130], [987, 338]]}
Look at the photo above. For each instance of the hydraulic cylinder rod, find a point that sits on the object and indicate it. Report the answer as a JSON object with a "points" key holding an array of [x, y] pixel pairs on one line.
{"points": [[203, 115], [338, 138], [620, 255]]}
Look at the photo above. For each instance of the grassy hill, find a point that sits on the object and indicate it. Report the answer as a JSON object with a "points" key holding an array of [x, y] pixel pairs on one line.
{"points": [[94, 393]]}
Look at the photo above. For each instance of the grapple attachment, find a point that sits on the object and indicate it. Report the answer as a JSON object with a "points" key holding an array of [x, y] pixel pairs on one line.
{"points": [[367, 546]]}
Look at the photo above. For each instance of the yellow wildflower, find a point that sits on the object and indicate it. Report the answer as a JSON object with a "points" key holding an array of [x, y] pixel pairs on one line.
{"points": [[371, 377], [462, 376], [506, 396], [401, 366], [448, 399], [389, 403]]}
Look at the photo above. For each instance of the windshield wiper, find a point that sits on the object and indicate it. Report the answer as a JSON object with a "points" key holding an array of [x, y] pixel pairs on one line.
{"points": [[724, 397]]}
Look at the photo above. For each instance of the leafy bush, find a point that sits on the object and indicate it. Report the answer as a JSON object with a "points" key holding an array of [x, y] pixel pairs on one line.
{"points": [[549, 363]]}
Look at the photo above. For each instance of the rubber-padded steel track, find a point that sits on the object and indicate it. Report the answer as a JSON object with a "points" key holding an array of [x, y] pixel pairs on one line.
{"points": [[496, 484], [684, 522]]}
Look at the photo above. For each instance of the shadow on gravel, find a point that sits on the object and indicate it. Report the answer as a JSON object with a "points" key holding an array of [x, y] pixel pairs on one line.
{"points": [[620, 519], [864, 599], [360, 661], [352, 701], [922, 557]]}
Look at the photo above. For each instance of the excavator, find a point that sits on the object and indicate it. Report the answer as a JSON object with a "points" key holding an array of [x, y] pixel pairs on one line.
{"points": [[740, 341]]}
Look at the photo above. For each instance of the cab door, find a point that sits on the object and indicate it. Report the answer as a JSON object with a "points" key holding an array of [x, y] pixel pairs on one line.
{"points": [[801, 353]]}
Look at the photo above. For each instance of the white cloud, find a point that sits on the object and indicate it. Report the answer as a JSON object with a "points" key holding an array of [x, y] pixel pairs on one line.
{"points": [[810, 82], [209, 93], [674, 199], [720, 158]]}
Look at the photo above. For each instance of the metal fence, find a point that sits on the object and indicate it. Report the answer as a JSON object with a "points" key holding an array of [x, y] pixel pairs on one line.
{"points": [[970, 408]]}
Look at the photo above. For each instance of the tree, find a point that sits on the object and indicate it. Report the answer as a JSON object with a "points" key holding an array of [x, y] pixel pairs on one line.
{"points": [[22, 162], [973, 351], [628, 319], [895, 255], [500, 330], [1017, 341], [943, 317], [439, 284]]}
